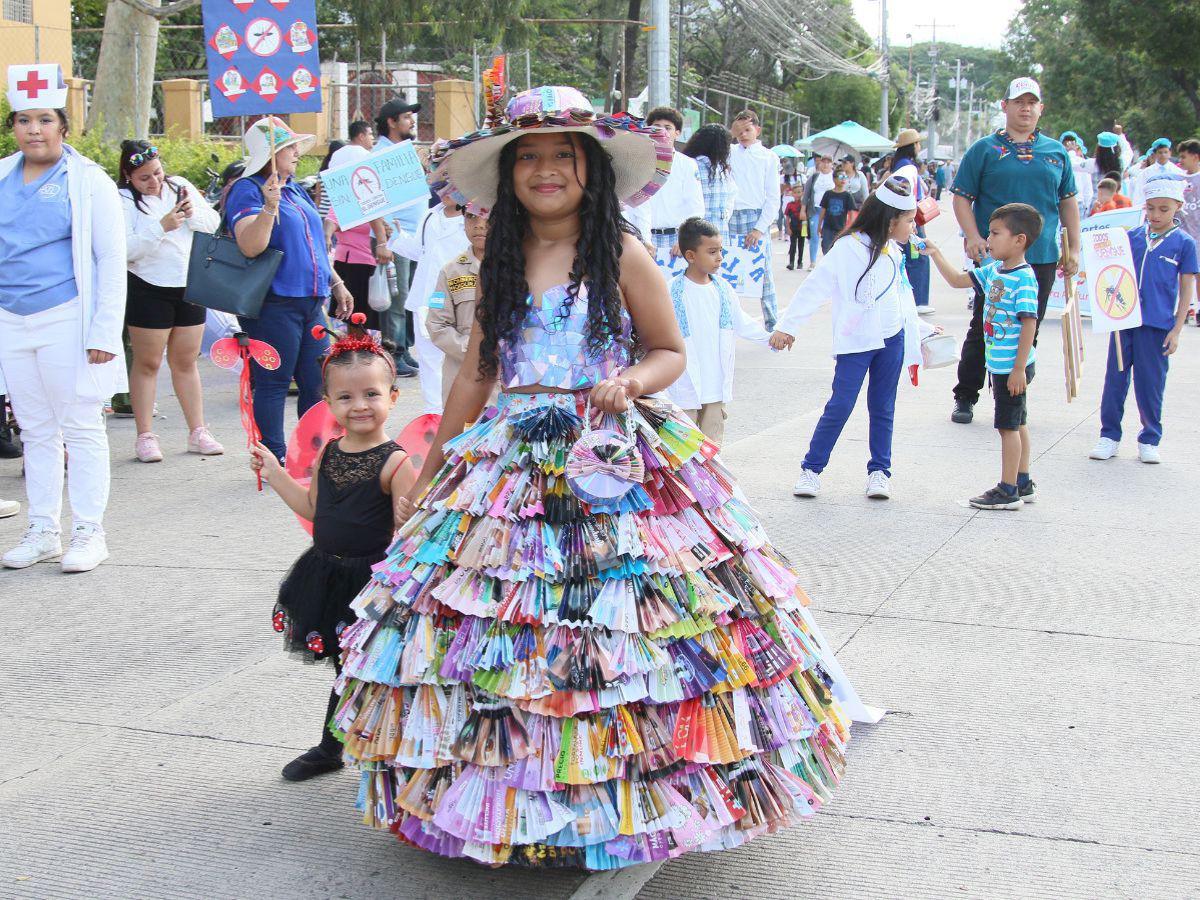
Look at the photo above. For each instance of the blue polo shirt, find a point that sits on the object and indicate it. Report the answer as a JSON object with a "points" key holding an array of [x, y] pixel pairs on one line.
{"points": [[1158, 272], [995, 171], [305, 270], [36, 269]]}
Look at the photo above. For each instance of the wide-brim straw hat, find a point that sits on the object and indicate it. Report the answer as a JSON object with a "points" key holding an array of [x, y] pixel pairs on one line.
{"points": [[257, 142], [467, 171], [908, 136]]}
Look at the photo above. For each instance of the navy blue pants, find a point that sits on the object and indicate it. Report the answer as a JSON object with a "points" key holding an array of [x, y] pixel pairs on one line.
{"points": [[286, 323], [1142, 352], [851, 369]]}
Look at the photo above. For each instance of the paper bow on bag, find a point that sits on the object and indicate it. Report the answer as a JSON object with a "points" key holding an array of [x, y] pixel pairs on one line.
{"points": [[227, 353], [603, 464]]}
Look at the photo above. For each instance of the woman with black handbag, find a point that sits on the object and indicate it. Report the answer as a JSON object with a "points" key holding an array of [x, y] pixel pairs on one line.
{"points": [[267, 208], [161, 214]]}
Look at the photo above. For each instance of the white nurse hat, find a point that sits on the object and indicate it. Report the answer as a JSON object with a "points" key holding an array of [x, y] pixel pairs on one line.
{"points": [[38, 86]]}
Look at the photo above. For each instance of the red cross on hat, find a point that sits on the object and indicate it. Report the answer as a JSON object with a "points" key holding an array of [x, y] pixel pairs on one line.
{"points": [[36, 87]]}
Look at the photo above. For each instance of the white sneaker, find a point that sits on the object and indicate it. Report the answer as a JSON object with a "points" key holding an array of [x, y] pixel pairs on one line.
{"points": [[1106, 448], [9, 508], [37, 545], [877, 486], [926, 310], [808, 484], [1148, 453], [88, 549]]}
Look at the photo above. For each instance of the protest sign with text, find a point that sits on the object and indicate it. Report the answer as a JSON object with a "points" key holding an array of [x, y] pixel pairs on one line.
{"points": [[375, 186]]}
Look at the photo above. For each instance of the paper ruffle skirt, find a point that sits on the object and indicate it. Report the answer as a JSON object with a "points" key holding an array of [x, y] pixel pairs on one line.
{"points": [[536, 682]]}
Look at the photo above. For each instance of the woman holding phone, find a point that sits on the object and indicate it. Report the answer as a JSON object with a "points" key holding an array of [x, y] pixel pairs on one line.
{"points": [[161, 214]]}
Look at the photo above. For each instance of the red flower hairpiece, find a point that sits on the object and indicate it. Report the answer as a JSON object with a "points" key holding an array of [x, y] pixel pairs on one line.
{"points": [[356, 338]]}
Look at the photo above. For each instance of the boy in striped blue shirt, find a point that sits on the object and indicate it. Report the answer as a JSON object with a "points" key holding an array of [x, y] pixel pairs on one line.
{"points": [[1010, 291]]}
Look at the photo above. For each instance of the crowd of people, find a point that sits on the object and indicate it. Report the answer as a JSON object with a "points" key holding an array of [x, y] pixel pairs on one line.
{"points": [[566, 638]]}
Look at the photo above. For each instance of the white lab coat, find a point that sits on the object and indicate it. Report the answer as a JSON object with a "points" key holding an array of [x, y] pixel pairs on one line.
{"points": [[98, 254]]}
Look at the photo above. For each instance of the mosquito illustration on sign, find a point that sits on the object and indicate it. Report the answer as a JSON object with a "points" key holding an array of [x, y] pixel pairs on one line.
{"points": [[367, 188], [1112, 286]]}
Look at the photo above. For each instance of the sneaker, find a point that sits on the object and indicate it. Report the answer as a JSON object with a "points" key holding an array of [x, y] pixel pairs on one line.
{"points": [[88, 548], [403, 370], [807, 485], [146, 448], [963, 412], [407, 358], [995, 498], [310, 764], [1028, 493], [926, 310], [38, 545], [9, 508], [878, 486], [1106, 448], [9, 448], [201, 441], [790, 267], [1148, 453]]}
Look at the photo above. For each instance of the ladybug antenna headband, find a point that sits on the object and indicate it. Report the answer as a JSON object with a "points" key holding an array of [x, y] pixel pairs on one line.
{"points": [[356, 340]]}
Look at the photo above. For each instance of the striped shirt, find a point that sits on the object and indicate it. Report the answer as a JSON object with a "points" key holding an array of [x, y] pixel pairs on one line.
{"points": [[1010, 295]]}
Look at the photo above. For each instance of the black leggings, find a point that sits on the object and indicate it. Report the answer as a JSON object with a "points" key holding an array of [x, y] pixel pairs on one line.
{"points": [[329, 742]]}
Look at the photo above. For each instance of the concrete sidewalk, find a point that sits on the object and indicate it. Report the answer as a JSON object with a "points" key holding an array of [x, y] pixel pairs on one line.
{"points": [[1040, 668]]}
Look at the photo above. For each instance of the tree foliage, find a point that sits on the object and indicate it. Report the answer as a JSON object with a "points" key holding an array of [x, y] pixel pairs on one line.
{"points": [[1103, 62]]}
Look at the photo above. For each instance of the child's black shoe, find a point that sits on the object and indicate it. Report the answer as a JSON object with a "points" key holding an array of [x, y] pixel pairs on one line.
{"points": [[1027, 492], [997, 498], [310, 764]]}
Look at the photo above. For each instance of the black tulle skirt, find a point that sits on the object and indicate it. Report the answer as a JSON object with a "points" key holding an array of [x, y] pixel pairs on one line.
{"points": [[314, 601]]}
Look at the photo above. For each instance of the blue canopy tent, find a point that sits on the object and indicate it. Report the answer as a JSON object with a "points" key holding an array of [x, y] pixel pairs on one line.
{"points": [[847, 139]]}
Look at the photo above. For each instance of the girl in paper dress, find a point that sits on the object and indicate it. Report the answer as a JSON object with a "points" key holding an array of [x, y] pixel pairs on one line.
{"points": [[581, 649]]}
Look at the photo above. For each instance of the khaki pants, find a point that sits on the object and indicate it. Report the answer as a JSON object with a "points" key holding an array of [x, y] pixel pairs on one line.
{"points": [[711, 419]]}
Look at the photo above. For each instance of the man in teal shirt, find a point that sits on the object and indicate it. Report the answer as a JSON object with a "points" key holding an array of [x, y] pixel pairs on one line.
{"points": [[1017, 164]]}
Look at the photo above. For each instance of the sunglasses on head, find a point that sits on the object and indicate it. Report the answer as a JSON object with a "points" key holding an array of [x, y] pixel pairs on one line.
{"points": [[137, 160]]}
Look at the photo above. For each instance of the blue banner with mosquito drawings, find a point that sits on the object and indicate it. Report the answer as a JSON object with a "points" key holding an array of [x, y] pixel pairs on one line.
{"points": [[262, 56]]}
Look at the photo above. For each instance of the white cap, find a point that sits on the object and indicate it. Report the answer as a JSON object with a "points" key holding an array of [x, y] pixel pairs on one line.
{"points": [[1025, 85], [350, 153], [896, 199], [1163, 186], [36, 87]]}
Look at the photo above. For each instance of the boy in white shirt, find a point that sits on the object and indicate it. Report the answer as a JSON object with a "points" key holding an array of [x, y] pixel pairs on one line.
{"points": [[710, 317]]}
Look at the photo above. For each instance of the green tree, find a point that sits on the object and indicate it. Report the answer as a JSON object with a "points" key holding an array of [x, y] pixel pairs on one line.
{"points": [[1102, 63]]}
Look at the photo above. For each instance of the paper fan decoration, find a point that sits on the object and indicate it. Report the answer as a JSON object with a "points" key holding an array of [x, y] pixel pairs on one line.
{"points": [[604, 465]]}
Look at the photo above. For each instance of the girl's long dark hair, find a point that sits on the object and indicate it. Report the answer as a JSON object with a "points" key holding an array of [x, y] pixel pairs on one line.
{"points": [[334, 147], [124, 170], [875, 221], [712, 141], [906, 153], [503, 288], [1108, 159]]}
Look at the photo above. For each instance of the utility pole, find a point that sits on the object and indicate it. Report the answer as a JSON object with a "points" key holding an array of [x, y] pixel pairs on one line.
{"points": [[660, 54], [971, 114], [884, 125], [957, 96], [932, 137], [679, 60]]}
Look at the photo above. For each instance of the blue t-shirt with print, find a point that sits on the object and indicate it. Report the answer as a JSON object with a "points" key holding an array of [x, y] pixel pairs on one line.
{"points": [[995, 171], [1009, 295], [1158, 272]]}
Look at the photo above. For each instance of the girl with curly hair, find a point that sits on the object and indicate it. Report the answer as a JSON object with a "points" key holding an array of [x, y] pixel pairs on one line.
{"points": [[580, 649]]}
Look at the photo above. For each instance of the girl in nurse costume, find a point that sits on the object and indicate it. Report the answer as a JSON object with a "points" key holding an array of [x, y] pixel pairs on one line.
{"points": [[62, 302], [544, 673]]}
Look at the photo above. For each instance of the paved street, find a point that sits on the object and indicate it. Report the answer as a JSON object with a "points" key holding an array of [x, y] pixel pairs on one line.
{"points": [[1040, 668]]}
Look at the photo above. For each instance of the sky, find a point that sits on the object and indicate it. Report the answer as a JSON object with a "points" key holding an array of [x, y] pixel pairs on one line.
{"points": [[971, 24]]}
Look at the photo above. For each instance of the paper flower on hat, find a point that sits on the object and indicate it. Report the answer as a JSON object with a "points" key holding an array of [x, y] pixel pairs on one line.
{"points": [[36, 87]]}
